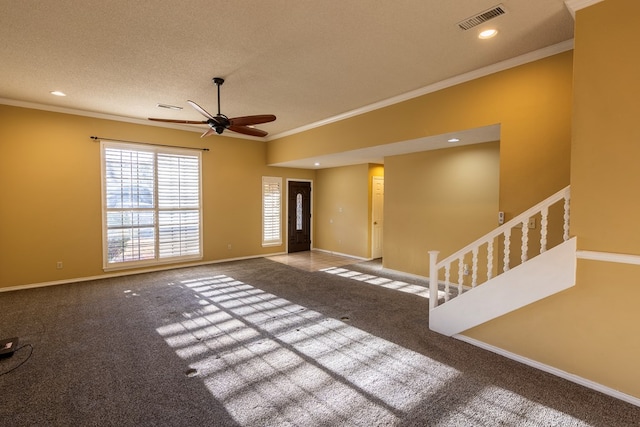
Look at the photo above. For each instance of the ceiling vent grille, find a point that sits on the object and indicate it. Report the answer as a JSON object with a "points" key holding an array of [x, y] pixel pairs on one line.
{"points": [[478, 19]]}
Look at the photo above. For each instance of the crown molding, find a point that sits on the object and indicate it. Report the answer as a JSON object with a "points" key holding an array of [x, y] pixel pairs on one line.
{"points": [[462, 78], [95, 115], [453, 81], [575, 5]]}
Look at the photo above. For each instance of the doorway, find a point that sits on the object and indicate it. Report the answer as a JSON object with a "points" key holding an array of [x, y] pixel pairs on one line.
{"points": [[299, 216], [377, 218]]}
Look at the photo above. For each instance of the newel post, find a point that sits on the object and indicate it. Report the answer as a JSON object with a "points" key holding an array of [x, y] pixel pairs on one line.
{"points": [[433, 279]]}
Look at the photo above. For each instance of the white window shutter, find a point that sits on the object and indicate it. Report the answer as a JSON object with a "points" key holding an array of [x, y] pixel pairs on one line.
{"points": [[271, 210]]}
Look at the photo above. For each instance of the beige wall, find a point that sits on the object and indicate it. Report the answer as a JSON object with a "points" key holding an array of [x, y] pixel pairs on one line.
{"points": [[50, 180], [606, 146], [50, 207], [532, 103], [342, 200], [57, 198], [591, 330], [438, 200]]}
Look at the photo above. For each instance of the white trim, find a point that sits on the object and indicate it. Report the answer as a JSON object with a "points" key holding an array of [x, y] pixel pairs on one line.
{"points": [[513, 222], [65, 110], [272, 180], [543, 275], [462, 78], [575, 5], [453, 81], [341, 254], [123, 273], [410, 275], [609, 257], [156, 150], [551, 370]]}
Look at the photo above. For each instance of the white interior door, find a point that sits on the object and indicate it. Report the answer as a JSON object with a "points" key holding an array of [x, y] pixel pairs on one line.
{"points": [[377, 217]]}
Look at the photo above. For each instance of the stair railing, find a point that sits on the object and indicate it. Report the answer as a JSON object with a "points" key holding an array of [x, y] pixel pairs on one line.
{"points": [[472, 250]]}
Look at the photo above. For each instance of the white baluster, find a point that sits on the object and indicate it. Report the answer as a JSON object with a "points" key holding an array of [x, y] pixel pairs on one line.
{"points": [[566, 217], [447, 281], [544, 221], [433, 279], [474, 268], [507, 248], [460, 274], [525, 241], [489, 259]]}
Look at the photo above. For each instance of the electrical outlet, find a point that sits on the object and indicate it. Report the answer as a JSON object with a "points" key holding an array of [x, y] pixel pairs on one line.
{"points": [[59, 265], [229, 246], [465, 269]]}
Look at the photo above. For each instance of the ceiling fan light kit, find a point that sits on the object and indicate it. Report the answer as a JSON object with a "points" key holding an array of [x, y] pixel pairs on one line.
{"points": [[218, 123]]}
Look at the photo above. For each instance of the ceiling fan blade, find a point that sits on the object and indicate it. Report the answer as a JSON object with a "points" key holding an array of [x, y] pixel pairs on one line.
{"points": [[201, 110], [252, 120], [210, 131], [186, 122], [247, 130]]}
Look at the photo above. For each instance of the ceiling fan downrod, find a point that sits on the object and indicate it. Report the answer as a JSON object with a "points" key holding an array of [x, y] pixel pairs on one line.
{"points": [[218, 82], [222, 124]]}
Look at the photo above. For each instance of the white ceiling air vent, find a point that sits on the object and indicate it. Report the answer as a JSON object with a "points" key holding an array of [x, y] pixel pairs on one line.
{"points": [[481, 17]]}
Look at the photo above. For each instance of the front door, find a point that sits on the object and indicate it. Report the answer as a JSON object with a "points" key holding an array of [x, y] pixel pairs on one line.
{"points": [[299, 216]]}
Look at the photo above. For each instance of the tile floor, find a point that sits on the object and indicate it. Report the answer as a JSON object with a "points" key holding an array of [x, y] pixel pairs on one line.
{"points": [[313, 260]]}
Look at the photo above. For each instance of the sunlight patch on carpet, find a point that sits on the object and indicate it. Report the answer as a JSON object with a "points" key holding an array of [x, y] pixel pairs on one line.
{"points": [[272, 362], [398, 285]]}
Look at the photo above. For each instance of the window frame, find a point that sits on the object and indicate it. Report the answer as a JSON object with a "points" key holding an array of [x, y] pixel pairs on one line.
{"points": [[267, 181], [157, 259]]}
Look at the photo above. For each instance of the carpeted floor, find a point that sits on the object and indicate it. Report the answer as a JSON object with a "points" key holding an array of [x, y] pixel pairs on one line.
{"points": [[260, 343]]}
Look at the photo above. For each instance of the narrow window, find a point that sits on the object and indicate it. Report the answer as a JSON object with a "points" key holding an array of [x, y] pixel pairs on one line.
{"points": [[151, 205], [271, 211], [299, 212]]}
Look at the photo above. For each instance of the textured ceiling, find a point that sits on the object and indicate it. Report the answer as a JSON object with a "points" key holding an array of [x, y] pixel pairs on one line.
{"points": [[304, 61]]}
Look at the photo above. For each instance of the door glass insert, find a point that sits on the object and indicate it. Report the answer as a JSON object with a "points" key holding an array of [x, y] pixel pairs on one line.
{"points": [[299, 212]]}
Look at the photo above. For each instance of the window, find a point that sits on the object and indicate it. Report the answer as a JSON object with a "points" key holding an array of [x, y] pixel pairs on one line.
{"points": [[271, 212], [151, 205]]}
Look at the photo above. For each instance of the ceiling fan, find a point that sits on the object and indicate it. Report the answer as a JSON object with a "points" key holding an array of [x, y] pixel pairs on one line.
{"points": [[220, 122]]}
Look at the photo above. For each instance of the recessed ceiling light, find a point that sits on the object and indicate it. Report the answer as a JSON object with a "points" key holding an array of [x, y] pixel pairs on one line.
{"points": [[57, 93], [487, 34], [316, 164], [453, 140]]}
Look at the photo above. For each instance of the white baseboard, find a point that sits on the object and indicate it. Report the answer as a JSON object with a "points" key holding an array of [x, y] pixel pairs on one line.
{"points": [[128, 273], [341, 254], [151, 270], [554, 371]]}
